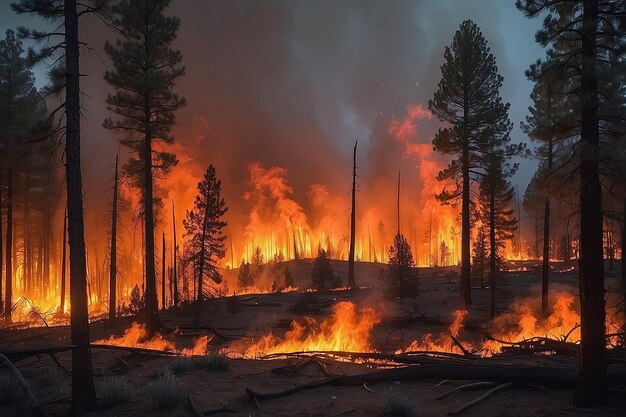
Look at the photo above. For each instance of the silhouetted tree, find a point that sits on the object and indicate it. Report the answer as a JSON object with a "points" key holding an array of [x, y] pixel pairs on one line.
{"points": [[587, 37], [468, 98], [204, 226], [401, 272], [245, 278], [288, 276], [479, 263], [323, 275], [145, 70], [113, 255], [351, 280]]}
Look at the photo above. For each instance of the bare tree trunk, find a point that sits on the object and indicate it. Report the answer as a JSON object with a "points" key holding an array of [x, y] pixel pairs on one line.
{"points": [[1, 245], [63, 261], [113, 255], [466, 295], [8, 299], [493, 256], [174, 251], [592, 384], [351, 280], [163, 273], [545, 269], [624, 255], [46, 238], [83, 391], [200, 293], [154, 323]]}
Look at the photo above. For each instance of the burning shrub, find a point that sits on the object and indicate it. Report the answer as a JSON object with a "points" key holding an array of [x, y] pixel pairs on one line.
{"points": [[401, 272], [400, 405], [116, 390], [323, 276], [167, 391]]}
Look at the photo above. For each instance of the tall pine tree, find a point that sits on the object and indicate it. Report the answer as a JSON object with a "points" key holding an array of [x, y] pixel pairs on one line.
{"points": [[468, 99], [145, 70], [204, 227]]}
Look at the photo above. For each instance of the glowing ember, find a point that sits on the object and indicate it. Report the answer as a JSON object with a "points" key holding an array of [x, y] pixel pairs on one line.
{"points": [[345, 330]]}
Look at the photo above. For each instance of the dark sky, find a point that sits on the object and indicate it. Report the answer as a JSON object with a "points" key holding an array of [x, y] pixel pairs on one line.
{"points": [[295, 83]]}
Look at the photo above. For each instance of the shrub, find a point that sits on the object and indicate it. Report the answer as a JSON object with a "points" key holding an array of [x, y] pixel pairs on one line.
{"points": [[213, 361], [166, 391], [399, 405], [182, 364], [116, 390]]}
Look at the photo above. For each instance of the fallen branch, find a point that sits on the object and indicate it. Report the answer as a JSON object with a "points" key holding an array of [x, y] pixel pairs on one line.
{"points": [[256, 396], [16, 355], [33, 403], [136, 350], [482, 398], [466, 387]]}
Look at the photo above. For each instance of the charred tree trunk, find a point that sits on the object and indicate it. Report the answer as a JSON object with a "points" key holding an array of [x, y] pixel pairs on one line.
{"points": [[545, 268], [8, 299], [493, 255], [174, 251], [351, 280], [623, 254], [154, 323], [163, 273], [1, 245], [63, 262], [46, 238], [113, 255], [200, 292], [83, 391], [466, 295], [592, 382]]}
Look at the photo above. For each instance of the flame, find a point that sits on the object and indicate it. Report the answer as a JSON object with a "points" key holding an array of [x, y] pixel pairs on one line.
{"points": [[444, 342], [137, 336], [346, 330]]}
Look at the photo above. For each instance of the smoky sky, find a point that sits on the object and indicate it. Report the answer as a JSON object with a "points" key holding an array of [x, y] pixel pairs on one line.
{"points": [[295, 83]]}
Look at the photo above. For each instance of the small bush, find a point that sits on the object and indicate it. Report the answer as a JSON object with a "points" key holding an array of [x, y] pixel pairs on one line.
{"points": [[116, 390], [233, 305], [167, 391], [182, 364], [213, 362], [399, 404], [306, 302]]}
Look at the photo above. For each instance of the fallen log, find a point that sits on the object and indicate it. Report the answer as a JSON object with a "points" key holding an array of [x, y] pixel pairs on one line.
{"points": [[482, 398], [136, 350], [488, 371], [16, 355]]}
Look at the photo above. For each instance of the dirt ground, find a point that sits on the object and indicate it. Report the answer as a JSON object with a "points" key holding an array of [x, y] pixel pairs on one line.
{"points": [[212, 389]]}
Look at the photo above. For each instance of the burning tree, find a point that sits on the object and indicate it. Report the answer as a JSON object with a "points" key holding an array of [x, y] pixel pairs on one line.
{"points": [[468, 98], [145, 70], [401, 272], [204, 225]]}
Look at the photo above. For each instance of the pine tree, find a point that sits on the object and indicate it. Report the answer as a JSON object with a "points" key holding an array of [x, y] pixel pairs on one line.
{"points": [[288, 276], [245, 278], [401, 271], [480, 253], [587, 37], [145, 70], [468, 98], [323, 275], [204, 226], [495, 195]]}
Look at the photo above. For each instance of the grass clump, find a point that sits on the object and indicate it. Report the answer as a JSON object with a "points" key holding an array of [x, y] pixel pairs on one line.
{"points": [[167, 391], [181, 364], [399, 405], [115, 391], [213, 362]]}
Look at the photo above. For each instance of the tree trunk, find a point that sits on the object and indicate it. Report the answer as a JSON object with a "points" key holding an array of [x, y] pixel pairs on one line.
{"points": [[1, 245], [154, 323], [174, 251], [466, 295], [591, 388], [545, 269], [26, 277], [494, 254], [200, 293], [113, 255], [63, 262], [623, 255], [163, 273], [46, 239], [351, 280], [8, 299], [83, 391]]}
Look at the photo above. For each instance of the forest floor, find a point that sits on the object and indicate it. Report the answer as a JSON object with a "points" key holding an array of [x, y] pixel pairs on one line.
{"points": [[211, 389]]}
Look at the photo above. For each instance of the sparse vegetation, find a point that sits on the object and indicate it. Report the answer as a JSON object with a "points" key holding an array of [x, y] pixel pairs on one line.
{"points": [[116, 390], [399, 405], [213, 362], [166, 391]]}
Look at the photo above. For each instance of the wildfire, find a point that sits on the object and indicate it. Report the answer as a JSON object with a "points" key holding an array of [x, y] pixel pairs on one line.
{"points": [[137, 336], [444, 342], [347, 329]]}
